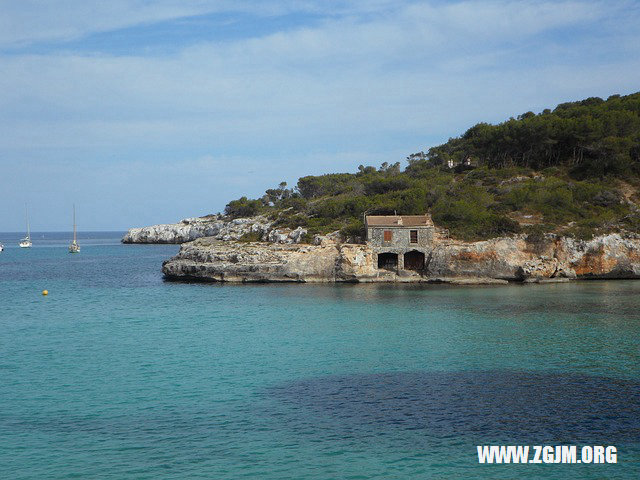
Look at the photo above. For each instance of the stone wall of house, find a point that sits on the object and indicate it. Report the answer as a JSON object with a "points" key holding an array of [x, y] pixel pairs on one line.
{"points": [[400, 241]]}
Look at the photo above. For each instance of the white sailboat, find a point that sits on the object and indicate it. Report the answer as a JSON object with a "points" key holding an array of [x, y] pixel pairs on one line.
{"points": [[26, 241], [74, 247], [1, 247]]}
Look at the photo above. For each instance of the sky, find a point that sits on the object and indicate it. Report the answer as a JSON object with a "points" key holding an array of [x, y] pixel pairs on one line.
{"points": [[144, 112]]}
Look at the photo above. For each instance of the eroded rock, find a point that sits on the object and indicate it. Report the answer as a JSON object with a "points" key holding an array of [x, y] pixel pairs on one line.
{"points": [[215, 226], [493, 261]]}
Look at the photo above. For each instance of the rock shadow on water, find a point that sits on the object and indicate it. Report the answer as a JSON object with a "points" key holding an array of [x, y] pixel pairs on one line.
{"points": [[546, 407]]}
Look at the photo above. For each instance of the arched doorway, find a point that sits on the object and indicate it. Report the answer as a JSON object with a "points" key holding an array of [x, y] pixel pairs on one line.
{"points": [[414, 260], [388, 261]]}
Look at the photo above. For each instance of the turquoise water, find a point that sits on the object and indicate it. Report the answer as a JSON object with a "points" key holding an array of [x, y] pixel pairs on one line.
{"points": [[117, 374]]}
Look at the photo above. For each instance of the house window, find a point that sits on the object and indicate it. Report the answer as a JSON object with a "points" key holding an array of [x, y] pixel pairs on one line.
{"points": [[387, 236], [413, 236]]}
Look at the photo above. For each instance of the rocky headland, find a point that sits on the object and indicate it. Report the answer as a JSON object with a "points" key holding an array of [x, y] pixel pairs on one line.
{"points": [[216, 227], [550, 258], [546, 197]]}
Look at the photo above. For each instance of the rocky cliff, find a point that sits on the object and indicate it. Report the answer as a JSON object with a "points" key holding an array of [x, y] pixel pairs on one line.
{"points": [[215, 226], [499, 260]]}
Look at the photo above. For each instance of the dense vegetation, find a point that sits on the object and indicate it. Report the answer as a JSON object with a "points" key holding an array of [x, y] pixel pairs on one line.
{"points": [[575, 170]]}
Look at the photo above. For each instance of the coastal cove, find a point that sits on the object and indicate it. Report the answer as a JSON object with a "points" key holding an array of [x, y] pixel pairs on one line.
{"points": [[119, 371], [320, 240]]}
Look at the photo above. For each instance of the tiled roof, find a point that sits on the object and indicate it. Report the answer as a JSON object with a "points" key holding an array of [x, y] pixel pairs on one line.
{"points": [[399, 220]]}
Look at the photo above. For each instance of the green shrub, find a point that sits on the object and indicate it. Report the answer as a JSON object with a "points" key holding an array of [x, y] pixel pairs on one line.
{"points": [[243, 207], [535, 234], [353, 229]]}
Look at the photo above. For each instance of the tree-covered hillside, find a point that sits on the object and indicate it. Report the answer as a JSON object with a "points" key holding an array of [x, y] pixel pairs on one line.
{"points": [[574, 170]]}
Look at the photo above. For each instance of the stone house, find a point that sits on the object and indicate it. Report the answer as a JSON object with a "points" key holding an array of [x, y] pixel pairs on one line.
{"points": [[401, 242]]}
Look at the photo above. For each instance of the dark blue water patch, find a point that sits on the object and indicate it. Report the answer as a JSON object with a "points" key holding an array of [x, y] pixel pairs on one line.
{"points": [[528, 407]]}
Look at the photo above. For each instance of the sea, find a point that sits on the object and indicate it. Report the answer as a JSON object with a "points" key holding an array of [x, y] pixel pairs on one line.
{"points": [[119, 374]]}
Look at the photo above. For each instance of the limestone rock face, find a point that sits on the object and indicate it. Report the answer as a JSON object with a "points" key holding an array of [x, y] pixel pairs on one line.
{"points": [[283, 235], [357, 263], [212, 260], [513, 258], [542, 267], [493, 261], [215, 226], [333, 238], [607, 256], [191, 228], [498, 258]]}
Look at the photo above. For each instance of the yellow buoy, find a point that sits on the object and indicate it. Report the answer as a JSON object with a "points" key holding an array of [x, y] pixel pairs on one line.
{"points": [[45, 292]]}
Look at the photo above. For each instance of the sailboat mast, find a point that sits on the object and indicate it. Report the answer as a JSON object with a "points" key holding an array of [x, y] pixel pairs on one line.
{"points": [[74, 223], [26, 215]]}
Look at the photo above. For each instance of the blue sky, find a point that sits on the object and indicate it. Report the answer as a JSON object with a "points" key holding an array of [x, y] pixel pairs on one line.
{"points": [[147, 112]]}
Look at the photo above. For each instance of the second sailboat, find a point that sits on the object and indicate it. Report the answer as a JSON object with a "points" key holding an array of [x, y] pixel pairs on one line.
{"points": [[74, 247], [26, 241]]}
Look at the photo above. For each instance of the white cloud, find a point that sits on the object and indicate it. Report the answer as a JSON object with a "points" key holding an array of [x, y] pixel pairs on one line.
{"points": [[27, 21], [346, 75], [503, 19]]}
